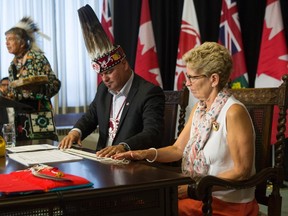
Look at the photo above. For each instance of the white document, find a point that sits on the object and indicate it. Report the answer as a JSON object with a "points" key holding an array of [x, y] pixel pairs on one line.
{"points": [[27, 148], [43, 157]]}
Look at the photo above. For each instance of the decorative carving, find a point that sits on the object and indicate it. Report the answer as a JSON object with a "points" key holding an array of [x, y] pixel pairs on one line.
{"points": [[172, 97], [174, 101], [257, 96]]}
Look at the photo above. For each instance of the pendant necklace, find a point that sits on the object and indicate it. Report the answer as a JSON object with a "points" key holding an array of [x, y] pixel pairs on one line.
{"points": [[19, 63], [114, 122]]}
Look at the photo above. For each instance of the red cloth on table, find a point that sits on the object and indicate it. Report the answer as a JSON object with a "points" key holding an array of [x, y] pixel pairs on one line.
{"points": [[24, 181]]}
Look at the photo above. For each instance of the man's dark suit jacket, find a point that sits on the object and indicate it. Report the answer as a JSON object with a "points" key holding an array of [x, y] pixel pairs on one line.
{"points": [[142, 120]]}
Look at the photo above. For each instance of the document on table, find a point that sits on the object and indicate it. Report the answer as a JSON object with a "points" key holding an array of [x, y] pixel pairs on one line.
{"points": [[28, 148], [43, 157]]}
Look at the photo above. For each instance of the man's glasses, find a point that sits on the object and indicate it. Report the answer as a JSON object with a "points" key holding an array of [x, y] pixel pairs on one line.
{"points": [[194, 78]]}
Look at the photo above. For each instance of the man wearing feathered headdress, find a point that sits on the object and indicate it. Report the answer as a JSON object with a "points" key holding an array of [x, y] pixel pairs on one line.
{"points": [[33, 81], [128, 110]]}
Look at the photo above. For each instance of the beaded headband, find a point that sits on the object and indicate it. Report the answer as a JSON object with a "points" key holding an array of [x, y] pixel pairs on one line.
{"points": [[108, 60]]}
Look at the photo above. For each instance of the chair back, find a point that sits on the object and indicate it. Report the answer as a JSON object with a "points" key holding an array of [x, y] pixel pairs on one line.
{"points": [[65, 122], [175, 108], [263, 105], [260, 103]]}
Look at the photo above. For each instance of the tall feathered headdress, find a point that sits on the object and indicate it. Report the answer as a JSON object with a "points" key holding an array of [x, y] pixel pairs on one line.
{"points": [[102, 52], [31, 28]]}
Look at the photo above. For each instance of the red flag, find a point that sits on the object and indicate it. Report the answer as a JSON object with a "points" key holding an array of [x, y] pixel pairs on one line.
{"points": [[146, 63], [106, 22], [230, 36], [273, 58], [189, 38]]}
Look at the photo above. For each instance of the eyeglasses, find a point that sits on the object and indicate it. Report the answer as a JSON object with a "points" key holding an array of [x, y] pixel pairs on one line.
{"points": [[193, 78]]}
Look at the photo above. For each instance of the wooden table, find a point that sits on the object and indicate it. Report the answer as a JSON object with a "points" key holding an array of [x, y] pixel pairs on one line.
{"points": [[135, 189]]}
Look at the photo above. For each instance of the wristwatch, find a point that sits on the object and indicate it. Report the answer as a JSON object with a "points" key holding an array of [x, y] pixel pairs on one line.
{"points": [[126, 146]]}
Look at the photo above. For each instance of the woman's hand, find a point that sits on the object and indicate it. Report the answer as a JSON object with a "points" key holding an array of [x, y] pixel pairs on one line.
{"points": [[131, 155], [182, 191]]}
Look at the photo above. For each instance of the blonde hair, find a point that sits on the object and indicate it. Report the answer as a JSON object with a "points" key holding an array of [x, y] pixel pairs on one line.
{"points": [[209, 58]]}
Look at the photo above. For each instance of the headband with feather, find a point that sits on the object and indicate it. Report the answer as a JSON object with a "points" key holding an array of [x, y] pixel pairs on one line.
{"points": [[31, 28], [102, 52]]}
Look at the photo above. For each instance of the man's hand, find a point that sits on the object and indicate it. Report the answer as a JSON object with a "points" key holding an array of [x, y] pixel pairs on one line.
{"points": [[110, 150], [72, 137]]}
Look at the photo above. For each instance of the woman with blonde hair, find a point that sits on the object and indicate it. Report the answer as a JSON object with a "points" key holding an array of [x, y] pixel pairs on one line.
{"points": [[218, 138]]}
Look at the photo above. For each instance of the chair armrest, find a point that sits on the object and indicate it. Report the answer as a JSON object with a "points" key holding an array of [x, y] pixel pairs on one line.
{"points": [[205, 184]]}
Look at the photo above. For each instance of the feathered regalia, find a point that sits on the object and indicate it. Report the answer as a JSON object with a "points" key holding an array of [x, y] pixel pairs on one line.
{"points": [[31, 28], [103, 53]]}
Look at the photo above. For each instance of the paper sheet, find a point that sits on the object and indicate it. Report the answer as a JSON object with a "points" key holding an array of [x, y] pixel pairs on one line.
{"points": [[27, 148], [43, 157]]}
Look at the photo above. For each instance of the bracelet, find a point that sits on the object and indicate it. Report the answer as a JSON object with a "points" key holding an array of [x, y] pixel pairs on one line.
{"points": [[156, 155]]}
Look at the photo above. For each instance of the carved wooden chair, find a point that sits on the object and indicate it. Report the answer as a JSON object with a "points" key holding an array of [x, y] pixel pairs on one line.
{"points": [[260, 103], [175, 102]]}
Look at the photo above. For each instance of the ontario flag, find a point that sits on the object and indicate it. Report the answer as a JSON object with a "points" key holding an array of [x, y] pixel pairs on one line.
{"points": [[188, 39], [146, 62], [106, 22], [230, 36], [273, 57]]}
